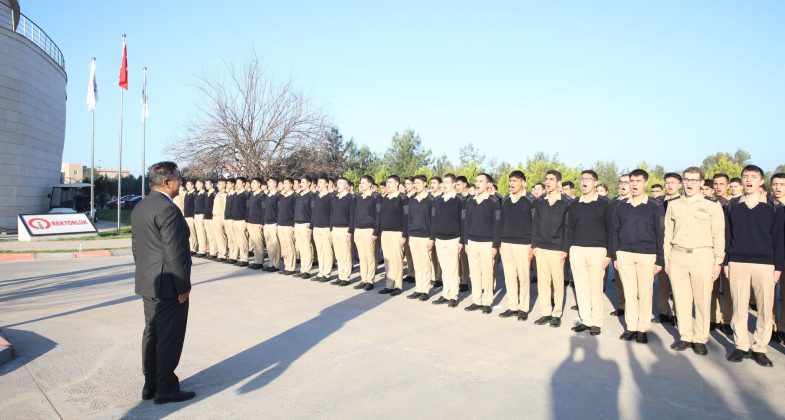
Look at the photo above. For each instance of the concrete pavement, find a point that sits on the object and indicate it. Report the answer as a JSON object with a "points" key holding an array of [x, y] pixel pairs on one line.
{"points": [[270, 346]]}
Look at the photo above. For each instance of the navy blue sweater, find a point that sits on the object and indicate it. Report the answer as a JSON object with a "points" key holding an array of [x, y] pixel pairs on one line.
{"points": [[482, 222], [591, 224], [549, 224], [639, 229], [255, 209], [516, 221], [320, 211], [446, 218], [420, 217], [755, 235]]}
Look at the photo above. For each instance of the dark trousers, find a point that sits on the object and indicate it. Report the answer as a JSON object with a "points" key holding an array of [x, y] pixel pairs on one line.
{"points": [[162, 342]]}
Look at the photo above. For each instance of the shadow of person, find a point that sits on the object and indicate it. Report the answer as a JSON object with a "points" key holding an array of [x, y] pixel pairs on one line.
{"points": [[266, 361], [27, 347], [585, 385]]}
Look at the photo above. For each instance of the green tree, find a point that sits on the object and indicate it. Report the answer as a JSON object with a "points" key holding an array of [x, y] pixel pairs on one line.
{"points": [[724, 164], [443, 166], [406, 154], [469, 154], [608, 173]]}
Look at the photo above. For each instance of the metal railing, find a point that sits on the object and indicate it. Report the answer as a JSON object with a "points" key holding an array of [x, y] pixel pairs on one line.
{"points": [[20, 24]]}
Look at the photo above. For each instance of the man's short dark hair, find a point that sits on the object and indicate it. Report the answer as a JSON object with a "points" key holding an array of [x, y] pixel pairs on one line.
{"points": [[421, 177], [672, 175], [641, 173], [568, 184], [396, 178], [541, 185], [778, 175], [736, 180], [437, 178], [461, 178], [340, 178], [230, 180], [721, 175], [323, 177], [160, 172], [290, 179], [408, 178], [272, 178], [708, 183], [753, 168], [623, 175], [517, 174], [555, 173], [488, 178], [451, 176], [368, 178], [591, 173], [240, 178], [656, 186], [308, 178], [258, 179]]}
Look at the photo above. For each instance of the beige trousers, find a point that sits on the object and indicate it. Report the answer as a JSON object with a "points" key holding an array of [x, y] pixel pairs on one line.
{"points": [[761, 278], [637, 273], [324, 250], [411, 270], [692, 283], [515, 263], [193, 242], [288, 251], [230, 244], [217, 238], [273, 246], [481, 264], [449, 260], [421, 258], [664, 290], [588, 274], [256, 241], [241, 240], [393, 259], [366, 250], [550, 282], [721, 302], [302, 240], [201, 234], [342, 245]]}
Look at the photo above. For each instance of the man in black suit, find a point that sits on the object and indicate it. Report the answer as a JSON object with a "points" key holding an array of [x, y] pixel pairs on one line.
{"points": [[163, 279]]}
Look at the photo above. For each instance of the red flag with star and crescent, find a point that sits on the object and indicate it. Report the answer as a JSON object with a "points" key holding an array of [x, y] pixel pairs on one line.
{"points": [[124, 68]]}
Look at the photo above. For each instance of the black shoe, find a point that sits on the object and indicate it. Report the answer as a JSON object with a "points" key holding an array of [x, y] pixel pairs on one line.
{"points": [[473, 307], [409, 279], [665, 319], [681, 345], [289, 272], [336, 282], [726, 329], [618, 312], [438, 283], [385, 291], [508, 313], [642, 338], [761, 359], [543, 320], [463, 288], [628, 335], [486, 309], [555, 322], [442, 300], [738, 355], [198, 255], [271, 269], [414, 295], [424, 297], [700, 349], [220, 260], [595, 331], [580, 328], [359, 285], [148, 392], [344, 283], [453, 303], [176, 396], [231, 261], [242, 264], [523, 315], [193, 253], [396, 292], [210, 257], [316, 278], [368, 287], [574, 307], [324, 279], [255, 266], [713, 326]]}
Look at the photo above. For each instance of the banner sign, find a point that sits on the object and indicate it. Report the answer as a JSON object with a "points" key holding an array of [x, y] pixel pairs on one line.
{"points": [[35, 225]]}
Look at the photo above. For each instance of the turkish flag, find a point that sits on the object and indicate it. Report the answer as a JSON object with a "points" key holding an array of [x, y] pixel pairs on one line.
{"points": [[124, 68]]}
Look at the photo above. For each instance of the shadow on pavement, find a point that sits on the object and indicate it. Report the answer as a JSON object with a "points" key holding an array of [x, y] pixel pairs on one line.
{"points": [[27, 345]]}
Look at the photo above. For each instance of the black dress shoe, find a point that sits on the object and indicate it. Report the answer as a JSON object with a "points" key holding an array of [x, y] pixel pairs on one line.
{"points": [[148, 392], [618, 312], [231, 261], [574, 307], [523, 315], [396, 292], [193, 253], [242, 264], [324, 279], [409, 279], [642, 338], [726, 329], [595, 331], [305, 275], [176, 396], [473, 307], [198, 255], [424, 297], [761, 359], [359, 285], [508, 313], [316, 278], [289, 272], [738, 355], [463, 288], [486, 309], [713, 326], [271, 269], [700, 349], [555, 322], [385, 291], [414, 295], [580, 328], [221, 260], [255, 266], [453, 303], [543, 320], [336, 282], [344, 283], [368, 286], [441, 301], [438, 283], [681, 345], [628, 335]]}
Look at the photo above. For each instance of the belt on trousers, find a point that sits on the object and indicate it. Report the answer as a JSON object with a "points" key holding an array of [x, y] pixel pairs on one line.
{"points": [[688, 250]]}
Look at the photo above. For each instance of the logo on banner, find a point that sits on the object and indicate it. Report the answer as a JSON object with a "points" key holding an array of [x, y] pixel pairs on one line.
{"points": [[39, 223]]}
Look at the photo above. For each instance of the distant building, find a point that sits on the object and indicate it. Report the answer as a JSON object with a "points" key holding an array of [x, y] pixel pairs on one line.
{"points": [[72, 172], [110, 173]]}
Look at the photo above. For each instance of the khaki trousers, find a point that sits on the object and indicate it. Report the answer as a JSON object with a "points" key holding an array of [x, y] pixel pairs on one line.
{"points": [[664, 290], [273, 246], [692, 283], [230, 244], [481, 264], [208, 231], [288, 251], [449, 259], [302, 240], [515, 263], [217, 237], [201, 234], [550, 282], [637, 274], [193, 243], [588, 274], [393, 259], [366, 250], [256, 241], [721, 302], [421, 258], [342, 245], [324, 250], [241, 240], [761, 278]]}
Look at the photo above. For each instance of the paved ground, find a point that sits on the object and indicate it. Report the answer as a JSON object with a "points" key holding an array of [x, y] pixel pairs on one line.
{"points": [[34, 246], [268, 346]]}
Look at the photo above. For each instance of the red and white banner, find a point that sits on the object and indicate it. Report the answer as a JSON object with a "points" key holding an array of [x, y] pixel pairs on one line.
{"points": [[35, 225]]}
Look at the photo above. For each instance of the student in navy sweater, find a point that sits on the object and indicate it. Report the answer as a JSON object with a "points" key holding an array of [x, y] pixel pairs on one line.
{"points": [[515, 247], [366, 224], [637, 242], [302, 226], [270, 221], [550, 244], [755, 256], [285, 227], [253, 223], [420, 243], [320, 224], [481, 230], [341, 216], [393, 223], [446, 233]]}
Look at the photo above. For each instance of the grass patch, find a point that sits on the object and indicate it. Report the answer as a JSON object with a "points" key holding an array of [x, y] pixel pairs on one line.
{"points": [[125, 232], [110, 215], [54, 251]]}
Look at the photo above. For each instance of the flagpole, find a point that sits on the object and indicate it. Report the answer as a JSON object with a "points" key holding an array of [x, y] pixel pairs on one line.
{"points": [[92, 169], [144, 127], [120, 168]]}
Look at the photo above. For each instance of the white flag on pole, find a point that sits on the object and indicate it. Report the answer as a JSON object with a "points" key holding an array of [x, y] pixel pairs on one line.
{"points": [[145, 109], [92, 88]]}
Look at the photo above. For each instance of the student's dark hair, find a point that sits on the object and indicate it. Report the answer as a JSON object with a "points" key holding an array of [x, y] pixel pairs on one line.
{"points": [[241, 178], [517, 174], [721, 175], [258, 179], [555, 173], [568, 184], [308, 178], [591, 173], [323, 177], [461, 179], [438, 178], [232, 180], [340, 178], [603, 185], [290, 179], [408, 178], [708, 183], [641, 173], [189, 180], [754, 168], [540, 184], [272, 178], [736, 180], [351, 183], [394, 177], [778, 175], [421, 177], [451, 176], [623, 175], [160, 172], [657, 186], [488, 178], [672, 175], [368, 178], [199, 180]]}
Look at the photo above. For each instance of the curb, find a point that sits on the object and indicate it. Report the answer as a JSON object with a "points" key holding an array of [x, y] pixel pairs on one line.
{"points": [[6, 350], [49, 256]]}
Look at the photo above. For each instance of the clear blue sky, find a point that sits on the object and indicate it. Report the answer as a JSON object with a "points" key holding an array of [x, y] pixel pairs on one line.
{"points": [[666, 82]]}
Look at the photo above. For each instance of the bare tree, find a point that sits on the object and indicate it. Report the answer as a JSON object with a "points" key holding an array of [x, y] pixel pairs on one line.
{"points": [[250, 125]]}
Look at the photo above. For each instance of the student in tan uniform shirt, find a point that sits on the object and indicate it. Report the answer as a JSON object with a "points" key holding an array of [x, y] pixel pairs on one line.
{"points": [[694, 249], [219, 234]]}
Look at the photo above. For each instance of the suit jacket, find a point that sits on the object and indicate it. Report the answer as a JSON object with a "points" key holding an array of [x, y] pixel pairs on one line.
{"points": [[160, 247]]}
